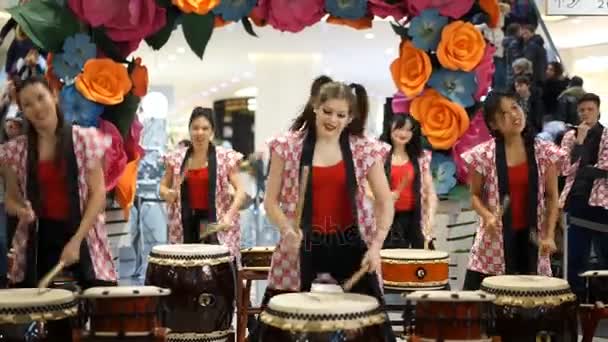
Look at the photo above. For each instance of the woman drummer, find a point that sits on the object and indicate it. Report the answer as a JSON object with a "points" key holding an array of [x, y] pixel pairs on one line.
{"points": [[201, 185], [337, 233], [54, 178], [516, 236], [409, 172]]}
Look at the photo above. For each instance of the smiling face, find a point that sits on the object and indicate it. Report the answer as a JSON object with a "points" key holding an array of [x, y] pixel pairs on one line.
{"points": [[39, 106], [402, 135], [201, 132], [332, 116], [509, 119]]}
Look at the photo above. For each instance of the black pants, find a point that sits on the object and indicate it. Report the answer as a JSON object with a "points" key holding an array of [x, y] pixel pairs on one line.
{"points": [[521, 257], [192, 228], [340, 255], [405, 232]]}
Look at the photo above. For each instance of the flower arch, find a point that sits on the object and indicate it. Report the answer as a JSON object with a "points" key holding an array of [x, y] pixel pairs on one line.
{"points": [[444, 68]]}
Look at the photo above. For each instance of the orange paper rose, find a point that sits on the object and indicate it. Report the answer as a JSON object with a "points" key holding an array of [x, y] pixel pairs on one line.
{"points": [[50, 76], [442, 121], [411, 70], [196, 6], [493, 11], [461, 46], [357, 24], [104, 81], [139, 77]]}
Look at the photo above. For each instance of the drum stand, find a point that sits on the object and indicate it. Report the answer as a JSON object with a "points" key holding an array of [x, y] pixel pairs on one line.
{"points": [[243, 299], [591, 314]]}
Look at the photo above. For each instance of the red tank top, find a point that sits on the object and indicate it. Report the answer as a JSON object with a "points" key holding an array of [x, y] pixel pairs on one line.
{"points": [[198, 188], [518, 190], [332, 208], [55, 203], [406, 200]]}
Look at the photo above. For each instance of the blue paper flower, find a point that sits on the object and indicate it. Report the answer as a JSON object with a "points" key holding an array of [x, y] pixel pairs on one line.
{"points": [[425, 29], [444, 173], [77, 109], [234, 10], [77, 49], [458, 86], [63, 70], [347, 9]]}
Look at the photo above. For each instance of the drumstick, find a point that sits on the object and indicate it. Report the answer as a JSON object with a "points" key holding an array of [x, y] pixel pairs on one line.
{"points": [[300, 204], [44, 283], [348, 284], [214, 228]]}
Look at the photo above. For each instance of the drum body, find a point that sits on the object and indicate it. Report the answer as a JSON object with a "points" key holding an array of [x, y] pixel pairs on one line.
{"points": [[322, 317], [257, 257], [414, 269], [124, 310], [527, 306], [202, 283], [447, 315], [19, 308]]}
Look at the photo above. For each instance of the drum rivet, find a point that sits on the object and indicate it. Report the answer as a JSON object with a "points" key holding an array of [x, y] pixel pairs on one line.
{"points": [[135, 291], [105, 293]]}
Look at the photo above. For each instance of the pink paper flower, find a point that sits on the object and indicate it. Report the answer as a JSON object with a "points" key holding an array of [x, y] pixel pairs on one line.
{"points": [[382, 9], [400, 103], [291, 16], [484, 72], [115, 157], [448, 8], [125, 21], [475, 135], [132, 147]]}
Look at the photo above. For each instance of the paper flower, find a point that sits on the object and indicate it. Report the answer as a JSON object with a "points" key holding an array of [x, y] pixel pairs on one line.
{"points": [[484, 73], [132, 146], [196, 6], [442, 121], [78, 49], [492, 10], [139, 78], [124, 21], [457, 86], [50, 76], [357, 24], [347, 9], [382, 9], [104, 81], [411, 70], [400, 104], [461, 47], [234, 10], [425, 29], [450, 8], [115, 156], [291, 16], [443, 170], [476, 134], [64, 70], [77, 109]]}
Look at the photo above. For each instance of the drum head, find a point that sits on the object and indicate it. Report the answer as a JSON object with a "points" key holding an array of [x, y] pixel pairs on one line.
{"points": [[19, 306], [194, 250], [451, 296], [412, 254], [258, 249], [125, 292], [322, 303], [326, 288], [524, 283]]}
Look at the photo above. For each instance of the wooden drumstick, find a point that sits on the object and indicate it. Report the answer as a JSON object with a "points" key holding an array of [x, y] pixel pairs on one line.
{"points": [[348, 284], [44, 283], [301, 199], [214, 228]]}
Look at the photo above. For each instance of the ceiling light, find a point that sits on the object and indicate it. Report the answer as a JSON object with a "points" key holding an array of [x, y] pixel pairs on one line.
{"points": [[246, 92], [205, 94], [181, 50], [369, 36], [247, 74], [224, 85], [236, 80], [213, 90], [172, 57]]}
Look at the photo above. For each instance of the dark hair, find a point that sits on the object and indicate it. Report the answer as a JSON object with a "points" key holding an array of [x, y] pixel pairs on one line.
{"points": [[529, 27], [491, 106], [32, 134], [200, 112], [522, 79], [414, 146], [558, 68], [576, 82], [354, 94], [590, 97], [308, 111], [513, 29], [185, 142]]}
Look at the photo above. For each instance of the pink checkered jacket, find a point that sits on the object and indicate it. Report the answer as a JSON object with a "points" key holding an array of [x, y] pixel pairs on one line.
{"points": [[89, 148], [487, 255]]}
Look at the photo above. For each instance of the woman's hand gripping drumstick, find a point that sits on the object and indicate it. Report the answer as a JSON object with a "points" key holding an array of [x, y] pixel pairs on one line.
{"points": [[293, 234], [46, 280]]}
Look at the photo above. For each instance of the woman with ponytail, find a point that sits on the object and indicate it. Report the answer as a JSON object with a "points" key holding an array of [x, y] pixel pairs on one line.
{"points": [[513, 181], [55, 177], [337, 234], [409, 172], [201, 185]]}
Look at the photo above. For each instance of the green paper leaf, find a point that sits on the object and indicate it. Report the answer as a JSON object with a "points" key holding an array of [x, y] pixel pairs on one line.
{"points": [[105, 44], [400, 30], [248, 27], [122, 115], [163, 3], [46, 23], [197, 30], [160, 38]]}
